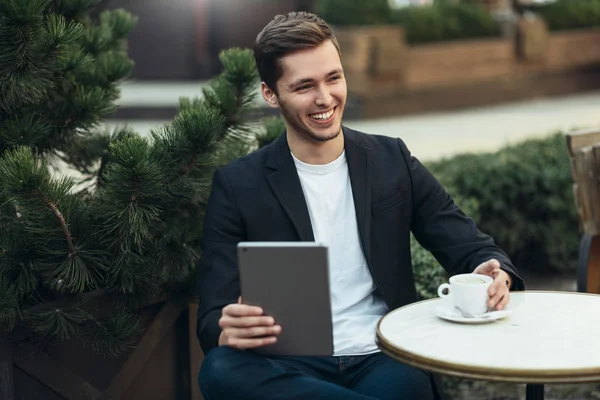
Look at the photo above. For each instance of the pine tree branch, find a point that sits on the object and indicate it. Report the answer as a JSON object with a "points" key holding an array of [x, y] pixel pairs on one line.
{"points": [[135, 190], [101, 170], [240, 102], [185, 169], [196, 126], [55, 6], [63, 224], [188, 167]]}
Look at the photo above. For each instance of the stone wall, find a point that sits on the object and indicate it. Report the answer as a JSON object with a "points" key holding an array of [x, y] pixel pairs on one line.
{"points": [[380, 65], [573, 49], [439, 65]]}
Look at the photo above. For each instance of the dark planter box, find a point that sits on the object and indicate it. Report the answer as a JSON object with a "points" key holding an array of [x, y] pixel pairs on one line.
{"points": [[163, 365]]}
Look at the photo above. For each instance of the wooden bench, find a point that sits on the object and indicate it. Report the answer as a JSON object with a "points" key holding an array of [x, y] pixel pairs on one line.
{"points": [[584, 150]]}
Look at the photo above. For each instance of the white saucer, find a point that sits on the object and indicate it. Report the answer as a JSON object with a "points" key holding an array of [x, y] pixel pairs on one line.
{"points": [[450, 313]]}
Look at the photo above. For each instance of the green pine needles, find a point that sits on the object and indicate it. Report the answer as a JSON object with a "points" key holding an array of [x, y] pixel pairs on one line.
{"points": [[80, 255]]}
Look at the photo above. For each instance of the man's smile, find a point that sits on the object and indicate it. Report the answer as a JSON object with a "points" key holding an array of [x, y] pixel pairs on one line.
{"points": [[324, 117]]}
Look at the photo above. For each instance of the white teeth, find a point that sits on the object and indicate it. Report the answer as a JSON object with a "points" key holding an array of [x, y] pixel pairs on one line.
{"points": [[323, 116]]}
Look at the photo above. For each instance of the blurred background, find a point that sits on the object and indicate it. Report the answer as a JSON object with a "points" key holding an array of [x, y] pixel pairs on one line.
{"points": [[447, 76]]}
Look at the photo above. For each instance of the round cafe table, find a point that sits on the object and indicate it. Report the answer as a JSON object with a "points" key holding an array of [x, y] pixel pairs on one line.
{"points": [[549, 338]]}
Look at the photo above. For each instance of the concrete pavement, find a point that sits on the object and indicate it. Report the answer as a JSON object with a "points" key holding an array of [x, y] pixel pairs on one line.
{"points": [[433, 136]]}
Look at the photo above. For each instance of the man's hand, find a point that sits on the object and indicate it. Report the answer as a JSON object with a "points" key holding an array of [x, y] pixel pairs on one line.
{"points": [[499, 290], [245, 327]]}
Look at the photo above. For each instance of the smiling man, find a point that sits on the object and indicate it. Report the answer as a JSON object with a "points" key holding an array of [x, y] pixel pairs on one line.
{"points": [[360, 194], [312, 103]]}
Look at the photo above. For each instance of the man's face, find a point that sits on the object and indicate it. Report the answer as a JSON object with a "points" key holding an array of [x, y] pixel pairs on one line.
{"points": [[312, 93]]}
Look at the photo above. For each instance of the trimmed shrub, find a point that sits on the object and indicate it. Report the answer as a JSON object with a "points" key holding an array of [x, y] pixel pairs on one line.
{"points": [[525, 200], [570, 14], [442, 22], [355, 12], [439, 22]]}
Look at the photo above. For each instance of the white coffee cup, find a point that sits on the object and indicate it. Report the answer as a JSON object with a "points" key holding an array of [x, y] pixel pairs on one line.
{"points": [[467, 292]]}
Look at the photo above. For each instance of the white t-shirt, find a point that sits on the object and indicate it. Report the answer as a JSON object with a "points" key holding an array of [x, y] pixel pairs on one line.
{"points": [[355, 310]]}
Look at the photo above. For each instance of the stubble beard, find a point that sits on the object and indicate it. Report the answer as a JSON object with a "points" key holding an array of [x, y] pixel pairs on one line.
{"points": [[306, 131], [325, 138]]}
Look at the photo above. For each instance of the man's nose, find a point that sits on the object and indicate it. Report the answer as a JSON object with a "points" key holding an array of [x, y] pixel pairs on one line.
{"points": [[324, 98]]}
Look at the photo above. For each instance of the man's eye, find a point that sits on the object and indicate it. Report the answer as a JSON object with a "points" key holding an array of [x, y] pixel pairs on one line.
{"points": [[304, 87], [335, 78]]}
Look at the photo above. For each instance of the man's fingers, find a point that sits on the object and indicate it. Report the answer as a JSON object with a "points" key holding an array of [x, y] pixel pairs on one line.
{"points": [[242, 310], [499, 301], [496, 287], [254, 332], [503, 302], [488, 267], [245, 327], [493, 300], [497, 295], [245, 322]]}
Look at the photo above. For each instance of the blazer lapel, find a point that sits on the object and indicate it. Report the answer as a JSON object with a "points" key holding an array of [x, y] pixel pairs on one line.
{"points": [[286, 185], [360, 167]]}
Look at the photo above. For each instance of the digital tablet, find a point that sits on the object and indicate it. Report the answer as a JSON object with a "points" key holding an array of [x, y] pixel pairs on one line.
{"points": [[290, 281]]}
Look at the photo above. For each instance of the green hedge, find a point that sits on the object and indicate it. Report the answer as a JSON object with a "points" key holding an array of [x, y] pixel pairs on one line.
{"points": [[442, 21], [525, 200], [448, 21], [354, 12], [570, 14], [522, 196]]}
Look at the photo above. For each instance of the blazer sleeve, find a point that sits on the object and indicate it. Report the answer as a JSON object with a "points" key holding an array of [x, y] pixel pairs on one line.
{"points": [[443, 229], [217, 277]]}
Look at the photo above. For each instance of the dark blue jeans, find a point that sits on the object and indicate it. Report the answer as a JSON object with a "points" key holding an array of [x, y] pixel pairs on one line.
{"points": [[233, 374]]}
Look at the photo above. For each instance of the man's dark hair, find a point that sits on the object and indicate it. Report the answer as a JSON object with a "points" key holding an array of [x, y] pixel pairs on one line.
{"points": [[285, 34]]}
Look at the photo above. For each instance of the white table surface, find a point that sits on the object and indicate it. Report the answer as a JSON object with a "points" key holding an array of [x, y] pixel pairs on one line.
{"points": [[550, 337]]}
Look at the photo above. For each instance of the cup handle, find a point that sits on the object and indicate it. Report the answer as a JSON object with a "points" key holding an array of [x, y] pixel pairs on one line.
{"points": [[441, 290]]}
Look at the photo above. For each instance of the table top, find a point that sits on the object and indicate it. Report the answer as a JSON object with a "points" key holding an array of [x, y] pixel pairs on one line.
{"points": [[550, 337]]}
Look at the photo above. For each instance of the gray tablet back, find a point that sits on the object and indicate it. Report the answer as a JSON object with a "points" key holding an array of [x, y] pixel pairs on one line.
{"points": [[290, 281]]}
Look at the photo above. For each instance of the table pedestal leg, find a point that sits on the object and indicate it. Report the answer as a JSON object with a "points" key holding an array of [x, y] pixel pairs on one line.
{"points": [[534, 392]]}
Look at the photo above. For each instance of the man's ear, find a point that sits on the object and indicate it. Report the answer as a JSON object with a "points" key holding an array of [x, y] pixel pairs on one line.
{"points": [[269, 96]]}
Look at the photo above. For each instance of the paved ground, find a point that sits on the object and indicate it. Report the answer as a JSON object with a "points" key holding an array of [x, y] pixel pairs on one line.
{"points": [[480, 390], [437, 135]]}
